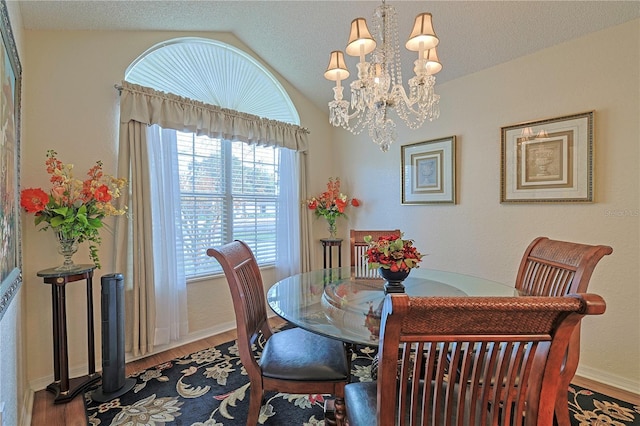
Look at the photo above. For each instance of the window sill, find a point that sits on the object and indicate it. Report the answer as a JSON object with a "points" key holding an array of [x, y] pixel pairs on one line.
{"points": [[221, 275]]}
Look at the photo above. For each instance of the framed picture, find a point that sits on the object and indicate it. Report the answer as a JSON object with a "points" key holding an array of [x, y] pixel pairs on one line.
{"points": [[10, 79], [429, 172], [548, 160]]}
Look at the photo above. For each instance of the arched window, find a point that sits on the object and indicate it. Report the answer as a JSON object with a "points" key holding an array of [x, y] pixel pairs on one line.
{"points": [[228, 190], [215, 73]]}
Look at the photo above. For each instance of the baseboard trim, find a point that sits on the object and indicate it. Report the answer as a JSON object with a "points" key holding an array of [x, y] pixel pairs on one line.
{"points": [[608, 379], [27, 408]]}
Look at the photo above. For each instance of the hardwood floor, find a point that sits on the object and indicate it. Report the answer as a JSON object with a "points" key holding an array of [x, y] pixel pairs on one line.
{"points": [[45, 412]]}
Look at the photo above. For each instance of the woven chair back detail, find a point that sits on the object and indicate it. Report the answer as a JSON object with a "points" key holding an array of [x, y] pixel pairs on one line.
{"points": [[557, 268], [449, 355]]}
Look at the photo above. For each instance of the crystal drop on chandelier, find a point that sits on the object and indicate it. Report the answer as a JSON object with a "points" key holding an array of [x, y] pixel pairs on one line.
{"points": [[378, 89]]}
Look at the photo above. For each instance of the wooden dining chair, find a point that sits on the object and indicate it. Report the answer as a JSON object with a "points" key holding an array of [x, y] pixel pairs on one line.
{"points": [[293, 360], [517, 342], [359, 249], [557, 268]]}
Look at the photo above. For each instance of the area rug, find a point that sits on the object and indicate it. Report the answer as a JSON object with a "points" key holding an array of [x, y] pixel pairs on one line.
{"points": [[211, 388]]}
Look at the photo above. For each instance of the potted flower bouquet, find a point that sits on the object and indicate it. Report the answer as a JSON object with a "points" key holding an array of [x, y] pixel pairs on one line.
{"points": [[331, 204], [74, 209], [394, 257]]}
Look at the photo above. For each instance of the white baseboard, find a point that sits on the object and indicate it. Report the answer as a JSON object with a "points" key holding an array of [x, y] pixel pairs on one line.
{"points": [[608, 379], [27, 408]]}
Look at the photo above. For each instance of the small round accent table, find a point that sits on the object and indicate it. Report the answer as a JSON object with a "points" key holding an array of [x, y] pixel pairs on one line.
{"points": [[63, 388], [327, 246]]}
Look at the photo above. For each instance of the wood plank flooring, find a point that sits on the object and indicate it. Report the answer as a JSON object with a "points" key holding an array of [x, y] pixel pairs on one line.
{"points": [[45, 412]]}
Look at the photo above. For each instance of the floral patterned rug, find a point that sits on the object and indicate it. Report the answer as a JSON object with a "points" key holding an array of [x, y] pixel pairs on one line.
{"points": [[210, 388]]}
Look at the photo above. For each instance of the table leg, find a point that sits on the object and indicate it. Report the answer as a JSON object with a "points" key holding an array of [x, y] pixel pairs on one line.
{"points": [[56, 334], [341, 411], [324, 256], [63, 353], [64, 388]]}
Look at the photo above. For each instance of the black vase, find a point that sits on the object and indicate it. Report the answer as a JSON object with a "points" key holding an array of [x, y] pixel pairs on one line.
{"points": [[394, 280]]}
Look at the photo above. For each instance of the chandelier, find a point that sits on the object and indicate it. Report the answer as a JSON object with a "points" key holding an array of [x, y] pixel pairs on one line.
{"points": [[379, 87]]}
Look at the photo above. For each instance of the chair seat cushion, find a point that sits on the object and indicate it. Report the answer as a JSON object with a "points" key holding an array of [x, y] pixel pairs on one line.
{"points": [[361, 403], [296, 354]]}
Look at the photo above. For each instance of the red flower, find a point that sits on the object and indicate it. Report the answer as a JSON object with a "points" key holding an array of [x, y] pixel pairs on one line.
{"points": [[316, 398], [332, 203], [34, 200], [392, 252], [102, 194]]}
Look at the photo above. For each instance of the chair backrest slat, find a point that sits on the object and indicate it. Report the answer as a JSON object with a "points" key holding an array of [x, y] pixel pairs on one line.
{"points": [[557, 268], [247, 292], [359, 249], [474, 361]]}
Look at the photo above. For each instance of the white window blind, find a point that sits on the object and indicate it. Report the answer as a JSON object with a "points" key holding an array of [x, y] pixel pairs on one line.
{"points": [[229, 190]]}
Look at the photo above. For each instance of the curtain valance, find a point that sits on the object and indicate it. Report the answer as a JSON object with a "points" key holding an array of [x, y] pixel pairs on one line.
{"points": [[149, 106]]}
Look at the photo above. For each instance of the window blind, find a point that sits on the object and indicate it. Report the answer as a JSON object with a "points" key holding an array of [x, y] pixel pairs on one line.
{"points": [[229, 190]]}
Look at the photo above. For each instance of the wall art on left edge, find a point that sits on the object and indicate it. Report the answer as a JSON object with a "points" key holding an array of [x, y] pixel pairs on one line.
{"points": [[10, 241]]}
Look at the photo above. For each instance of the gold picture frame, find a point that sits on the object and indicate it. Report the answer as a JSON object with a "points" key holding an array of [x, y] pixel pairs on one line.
{"points": [[548, 161], [429, 172]]}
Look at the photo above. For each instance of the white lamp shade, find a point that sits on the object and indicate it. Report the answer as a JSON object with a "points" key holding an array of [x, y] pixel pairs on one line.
{"points": [[542, 134], [337, 69], [360, 36], [422, 33], [433, 63]]}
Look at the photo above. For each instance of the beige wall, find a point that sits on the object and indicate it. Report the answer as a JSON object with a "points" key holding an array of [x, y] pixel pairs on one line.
{"points": [[71, 106], [480, 236], [13, 380]]}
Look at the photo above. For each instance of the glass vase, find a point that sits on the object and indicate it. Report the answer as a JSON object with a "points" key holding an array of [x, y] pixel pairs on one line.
{"points": [[333, 229], [67, 247]]}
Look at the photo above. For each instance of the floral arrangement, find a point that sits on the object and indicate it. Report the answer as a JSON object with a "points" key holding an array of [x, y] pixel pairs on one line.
{"points": [[74, 208], [392, 252], [331, 204]]}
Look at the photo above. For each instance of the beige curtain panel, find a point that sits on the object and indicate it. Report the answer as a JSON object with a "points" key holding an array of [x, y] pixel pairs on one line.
{"points": [[140, 107]]}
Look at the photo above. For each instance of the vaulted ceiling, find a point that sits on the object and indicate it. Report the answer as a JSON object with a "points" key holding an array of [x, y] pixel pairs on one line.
{"points": [[296, 37]]}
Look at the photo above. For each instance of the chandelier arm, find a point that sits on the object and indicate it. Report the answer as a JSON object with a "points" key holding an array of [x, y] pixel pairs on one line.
{"points": [[379, 86]]}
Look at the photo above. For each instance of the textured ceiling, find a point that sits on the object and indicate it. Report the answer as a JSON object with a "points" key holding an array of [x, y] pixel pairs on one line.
{"points": [[296, 37]]}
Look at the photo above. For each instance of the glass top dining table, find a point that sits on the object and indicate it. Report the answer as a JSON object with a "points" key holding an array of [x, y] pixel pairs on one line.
{"points": [[333, 303]]}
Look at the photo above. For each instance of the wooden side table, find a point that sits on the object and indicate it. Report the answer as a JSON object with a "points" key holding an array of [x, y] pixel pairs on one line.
{"points": [[63, 388], [327, 245]]}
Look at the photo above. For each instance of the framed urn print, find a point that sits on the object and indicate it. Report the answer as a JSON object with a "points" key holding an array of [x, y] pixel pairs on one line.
{"points": [[548, 160], [429, 172]]}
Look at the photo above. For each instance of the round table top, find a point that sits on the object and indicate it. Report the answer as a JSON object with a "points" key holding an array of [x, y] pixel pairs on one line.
{"points": [[334, 303]]}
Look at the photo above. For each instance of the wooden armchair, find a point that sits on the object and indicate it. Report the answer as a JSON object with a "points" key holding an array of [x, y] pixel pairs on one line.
{"points": [[558, 268], [516, 342], [359, 248], [293, 360]]}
